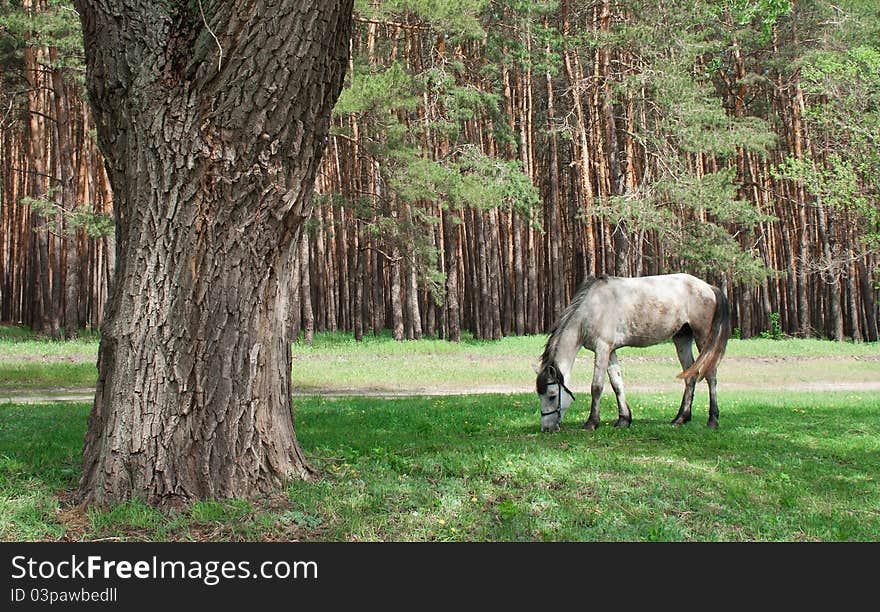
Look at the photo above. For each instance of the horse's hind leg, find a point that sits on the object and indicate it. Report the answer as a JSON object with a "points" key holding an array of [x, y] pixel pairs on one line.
{"points": [[624, 417], [713, 401], [684, 342], [600, 365]]}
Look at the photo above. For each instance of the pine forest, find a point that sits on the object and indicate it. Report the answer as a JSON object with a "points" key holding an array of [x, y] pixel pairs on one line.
{"points": [[486, 156]]}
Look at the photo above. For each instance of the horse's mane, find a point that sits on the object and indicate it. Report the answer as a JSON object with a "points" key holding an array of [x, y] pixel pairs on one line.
{"points": [[548, 358]]}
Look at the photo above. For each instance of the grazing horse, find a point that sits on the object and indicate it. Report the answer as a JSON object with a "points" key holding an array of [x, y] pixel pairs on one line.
{"points": [[610, 312]]}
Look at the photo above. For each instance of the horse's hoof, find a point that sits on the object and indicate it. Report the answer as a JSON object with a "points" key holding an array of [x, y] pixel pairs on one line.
{"points": [[591, 425], [678, 422], [712, 424], [622, 423]]}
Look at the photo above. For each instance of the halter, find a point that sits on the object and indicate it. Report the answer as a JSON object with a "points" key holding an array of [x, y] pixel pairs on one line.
{"points": [[558, 397]]}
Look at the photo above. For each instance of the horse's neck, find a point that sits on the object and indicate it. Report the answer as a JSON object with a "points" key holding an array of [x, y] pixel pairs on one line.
{"points": [[567, 348]]}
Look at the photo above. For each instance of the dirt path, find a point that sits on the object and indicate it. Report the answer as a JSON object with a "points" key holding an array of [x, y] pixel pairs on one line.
{"points": [[511, 374], [37, 396]]}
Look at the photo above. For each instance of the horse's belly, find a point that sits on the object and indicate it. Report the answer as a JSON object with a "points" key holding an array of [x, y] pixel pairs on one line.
{"points": [[648, 333]]}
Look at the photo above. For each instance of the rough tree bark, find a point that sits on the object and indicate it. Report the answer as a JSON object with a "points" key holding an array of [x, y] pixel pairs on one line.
{"points": [[212, 117]]}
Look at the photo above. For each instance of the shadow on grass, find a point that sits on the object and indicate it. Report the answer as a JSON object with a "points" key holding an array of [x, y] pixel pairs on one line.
{"points": [[785, 468], [797, 467]]}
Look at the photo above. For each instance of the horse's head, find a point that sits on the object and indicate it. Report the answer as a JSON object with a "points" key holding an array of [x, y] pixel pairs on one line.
{"points": [[555, 396]]}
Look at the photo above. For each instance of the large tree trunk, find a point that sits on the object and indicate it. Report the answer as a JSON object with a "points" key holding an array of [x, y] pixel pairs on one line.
{"points": [[212, 123]]}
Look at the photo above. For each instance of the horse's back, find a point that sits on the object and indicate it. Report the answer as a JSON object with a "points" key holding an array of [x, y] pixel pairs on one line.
{"points": [[663, 289], [645, 310]]}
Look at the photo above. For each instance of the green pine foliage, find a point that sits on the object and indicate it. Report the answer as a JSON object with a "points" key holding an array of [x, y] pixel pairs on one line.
{"points": [[687, 82], [57, 25], [65, 222], [680, 55], [457, 18], [398, 109], [842, 90]]}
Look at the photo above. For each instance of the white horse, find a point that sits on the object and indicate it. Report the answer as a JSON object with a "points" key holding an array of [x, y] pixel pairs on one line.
{"points": [[610, 312]]}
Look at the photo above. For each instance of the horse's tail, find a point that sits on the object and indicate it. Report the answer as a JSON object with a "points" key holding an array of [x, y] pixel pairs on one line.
{"points": [[712, 353]]}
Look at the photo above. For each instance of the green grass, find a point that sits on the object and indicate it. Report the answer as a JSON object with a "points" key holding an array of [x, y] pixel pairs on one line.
{"points": [[795, 466], [335, 360], [31, 375], [16, 340], [339, 343], [28, 361], [783, 466], [381, 363]]}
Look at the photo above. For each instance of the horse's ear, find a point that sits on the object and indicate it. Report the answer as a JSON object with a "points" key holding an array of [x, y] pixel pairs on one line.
{"points": [[536, 368]]}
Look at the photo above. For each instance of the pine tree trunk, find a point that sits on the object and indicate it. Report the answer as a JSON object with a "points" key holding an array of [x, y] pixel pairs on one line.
{"points": [[44, 315], [307, 312], [453, 314], [360, 307], [519, 284], [414, 312], [535, 323], [212, 169], [331, 283], [296, 299], [853, 299], [745, 323], [343, 271], [479, 265], [803, 304], [71, 321], [377, 282], [318, 277], [397, 331], [554, 235], [833, 275], [872, 332], [413, 309], [495, 300]]}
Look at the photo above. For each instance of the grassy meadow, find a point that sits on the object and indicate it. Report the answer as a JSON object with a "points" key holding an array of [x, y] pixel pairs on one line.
{"points": [[337, 363], [783, 466]]}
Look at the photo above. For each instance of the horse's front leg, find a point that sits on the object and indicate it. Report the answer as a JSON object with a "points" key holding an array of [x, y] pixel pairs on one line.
{"points": [[624, 416], [600, 366]]}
